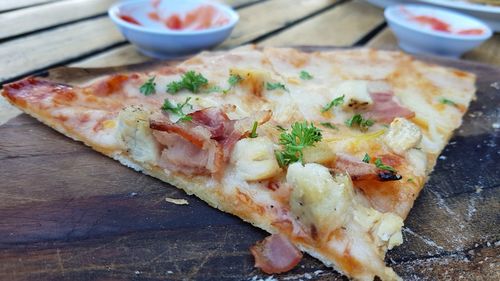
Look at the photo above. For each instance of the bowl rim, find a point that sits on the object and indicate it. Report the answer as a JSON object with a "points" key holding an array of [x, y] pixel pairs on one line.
{"points": [[415, 27], [113, 12]]}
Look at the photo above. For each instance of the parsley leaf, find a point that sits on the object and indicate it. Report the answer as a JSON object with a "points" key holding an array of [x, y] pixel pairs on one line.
{"points": [[177, 109], [191, 81], [273, 86], [329, 125], [148, 88], [447, 101], [214, 89], [335, 102], [367, 158], [358, 120], [304, 75], [382, 166], [301, 136], [233, 80], [253, 134]]}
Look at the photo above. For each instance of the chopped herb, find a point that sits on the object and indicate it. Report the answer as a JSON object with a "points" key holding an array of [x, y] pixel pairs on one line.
{"points": [[382, 166], [367, 158], [301, 136], [214, 89], [447, 101], [233, 80], [280, 128], [191, 81], [177, 109], [410, 180], [273, 86], [358, 120], [335, 102], [328, 125], [253, 134], [148, 88], [304, 75]]}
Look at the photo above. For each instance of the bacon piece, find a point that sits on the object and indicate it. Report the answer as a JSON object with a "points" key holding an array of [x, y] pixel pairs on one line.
{"points": [[385, 108], [275, 254], [200, 146], [354, 167]]}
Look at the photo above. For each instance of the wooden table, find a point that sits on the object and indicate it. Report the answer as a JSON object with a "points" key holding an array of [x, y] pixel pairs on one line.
{"points": [[40, 34]]}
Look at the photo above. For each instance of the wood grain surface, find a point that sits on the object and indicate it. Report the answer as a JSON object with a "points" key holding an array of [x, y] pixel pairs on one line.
{"points": [[69, 213]]}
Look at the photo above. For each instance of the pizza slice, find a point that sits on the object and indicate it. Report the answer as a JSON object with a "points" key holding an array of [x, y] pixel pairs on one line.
{"points": [[327, 151]]}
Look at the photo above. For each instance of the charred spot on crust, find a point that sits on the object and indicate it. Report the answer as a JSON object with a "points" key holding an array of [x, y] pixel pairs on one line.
{"points": [[388, 176]]}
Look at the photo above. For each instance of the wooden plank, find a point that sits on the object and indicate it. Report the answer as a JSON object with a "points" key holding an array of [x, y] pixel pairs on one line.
{"points": [[43, 16], [486, 53], [269, 16], [249, 28], [122, 55], [44, 49], [343, 25], [16, 4]]}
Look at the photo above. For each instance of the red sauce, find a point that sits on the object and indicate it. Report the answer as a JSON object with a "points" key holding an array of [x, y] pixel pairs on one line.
{"points": [[129, 19], [202, 17], [471, 31], [433, 22], [440, 25], [154, 16]]}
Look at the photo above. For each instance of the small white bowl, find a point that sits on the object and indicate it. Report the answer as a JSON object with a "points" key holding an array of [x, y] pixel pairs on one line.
{"points": [[418, 38], [154, 39]]}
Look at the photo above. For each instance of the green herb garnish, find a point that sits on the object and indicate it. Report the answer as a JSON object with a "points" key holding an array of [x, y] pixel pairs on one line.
{"points": [[367, 158], [302, 135], [177, 109], [328, 125], [447, 101], [304, 75], [148, 88], [273, 86], [253, 134], [191, 81], [335, 102], [358, 120], [382, 166], [233, 80]]}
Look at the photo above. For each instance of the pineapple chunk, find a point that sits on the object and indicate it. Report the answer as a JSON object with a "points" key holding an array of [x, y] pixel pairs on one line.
{"points": [[319, 153], [253, 79], [402, 135], [134, 131], [388, 230], [356, 94], [254, 159], [317, 198]]}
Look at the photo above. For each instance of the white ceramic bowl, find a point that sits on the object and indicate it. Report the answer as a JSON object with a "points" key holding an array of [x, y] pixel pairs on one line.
{"points": [[154, 39], [418, 38]]}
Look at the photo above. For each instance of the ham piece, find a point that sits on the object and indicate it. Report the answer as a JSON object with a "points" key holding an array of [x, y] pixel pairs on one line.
{"points": [[385, 108], [275, 254], [202, 145], [354, 167]]}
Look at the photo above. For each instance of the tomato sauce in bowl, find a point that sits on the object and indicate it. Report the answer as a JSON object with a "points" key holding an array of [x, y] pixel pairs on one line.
{"points": [[201, 17], [438, 24], [173, 28]]}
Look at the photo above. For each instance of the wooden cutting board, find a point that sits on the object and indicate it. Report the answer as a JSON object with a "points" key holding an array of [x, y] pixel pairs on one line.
{"points": [[69, 213]]}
